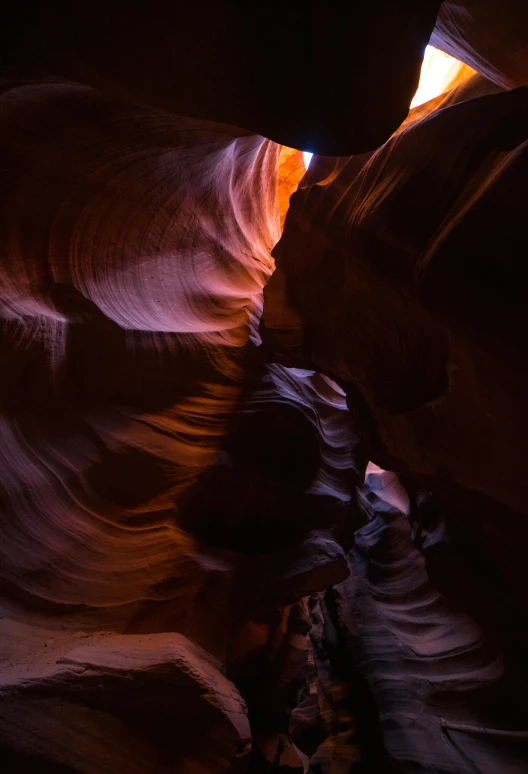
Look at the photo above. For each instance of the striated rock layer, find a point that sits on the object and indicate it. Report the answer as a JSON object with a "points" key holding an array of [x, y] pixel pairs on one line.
{"points": [[142, 502], [199, 570], [423, 329]]}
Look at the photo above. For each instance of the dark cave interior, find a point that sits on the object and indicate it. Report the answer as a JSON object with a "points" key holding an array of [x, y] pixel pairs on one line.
{"points": [[263, 416]]}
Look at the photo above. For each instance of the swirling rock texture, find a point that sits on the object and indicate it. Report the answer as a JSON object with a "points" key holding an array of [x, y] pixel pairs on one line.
{"points": [[202, 347]]}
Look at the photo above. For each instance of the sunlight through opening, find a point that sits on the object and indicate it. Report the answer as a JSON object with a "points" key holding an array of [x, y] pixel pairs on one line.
{"points": [[438, 70], [437, 73]]}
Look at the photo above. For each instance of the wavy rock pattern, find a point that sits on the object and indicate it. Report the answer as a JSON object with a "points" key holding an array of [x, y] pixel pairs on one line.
{"points": [[434, 379], [419, 653], [391, 256], [199, 570], [126, 300]]}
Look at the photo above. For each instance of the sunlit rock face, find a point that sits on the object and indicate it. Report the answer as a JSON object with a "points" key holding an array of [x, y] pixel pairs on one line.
{"points": [[201, 571]]}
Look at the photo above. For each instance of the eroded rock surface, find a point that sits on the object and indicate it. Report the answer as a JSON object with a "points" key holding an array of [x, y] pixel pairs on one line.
{"points": [[140, 489], [199, 570], [124, 687], [436, 358]]}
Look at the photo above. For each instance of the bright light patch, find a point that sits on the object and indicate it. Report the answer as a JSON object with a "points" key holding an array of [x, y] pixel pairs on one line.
{"points": [[437, 73], [438, 70]]}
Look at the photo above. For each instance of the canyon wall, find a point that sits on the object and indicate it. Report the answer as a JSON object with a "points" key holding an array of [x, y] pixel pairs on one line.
{"points": [[202, 348]]}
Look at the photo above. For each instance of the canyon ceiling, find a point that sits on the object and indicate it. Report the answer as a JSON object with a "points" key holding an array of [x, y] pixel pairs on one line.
{"points": [[263, 492]]}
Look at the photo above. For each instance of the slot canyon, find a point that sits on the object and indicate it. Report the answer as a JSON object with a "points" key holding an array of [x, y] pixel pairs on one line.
{"points": [[263, 496]]}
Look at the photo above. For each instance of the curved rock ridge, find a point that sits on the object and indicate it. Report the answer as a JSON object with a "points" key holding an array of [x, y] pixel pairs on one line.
{"points": [[138, 688], [427, 662], [123, 368], [133, 188], [200, 570], [425, 335], [488, 35], [395, 658], [408, 329], [141, 498]]}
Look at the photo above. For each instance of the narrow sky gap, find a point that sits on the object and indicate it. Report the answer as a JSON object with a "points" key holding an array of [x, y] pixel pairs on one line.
{"points": [[438, 70]]}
